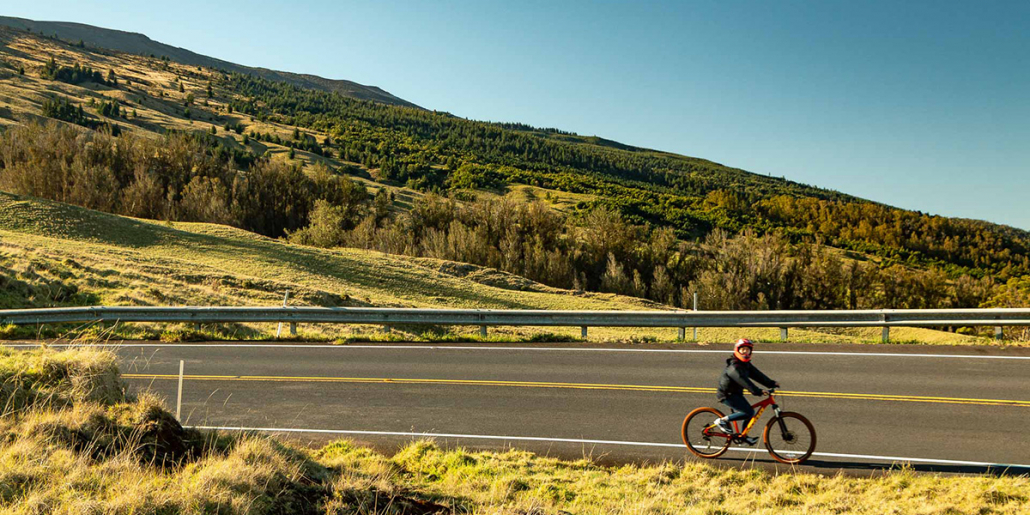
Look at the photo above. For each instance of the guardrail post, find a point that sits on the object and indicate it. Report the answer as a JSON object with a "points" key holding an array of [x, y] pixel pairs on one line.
{"points": [[482, 331], [196, 326], [998, 333], [279, 328], [695, 309], [293, 328], [783, 334], [885, 335], [682, 334], [583, 332]]}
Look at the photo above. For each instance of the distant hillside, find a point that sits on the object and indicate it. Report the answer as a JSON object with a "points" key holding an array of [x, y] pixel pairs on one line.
{"points": [[194, 143], [136, 43]]}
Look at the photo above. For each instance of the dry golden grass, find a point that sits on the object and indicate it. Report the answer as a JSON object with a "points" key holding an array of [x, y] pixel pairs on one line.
{"points": [[558, 200], [521, 482], [117, 455]]}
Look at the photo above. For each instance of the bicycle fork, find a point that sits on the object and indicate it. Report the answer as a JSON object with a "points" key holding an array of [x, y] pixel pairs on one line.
{"points": [[784, 433]]}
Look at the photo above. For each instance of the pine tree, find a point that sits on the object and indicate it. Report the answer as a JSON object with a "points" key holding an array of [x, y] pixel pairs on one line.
{"points": [[293, 153], [181, 89], [210, 93]]}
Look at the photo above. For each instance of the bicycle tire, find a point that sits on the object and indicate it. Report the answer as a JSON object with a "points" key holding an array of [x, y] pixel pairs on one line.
{"points": [[800, 424], [697, 451]]}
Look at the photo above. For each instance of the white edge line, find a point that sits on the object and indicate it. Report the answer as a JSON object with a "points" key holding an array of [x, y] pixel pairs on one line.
{"points": [[551, 349], [603, 442]]}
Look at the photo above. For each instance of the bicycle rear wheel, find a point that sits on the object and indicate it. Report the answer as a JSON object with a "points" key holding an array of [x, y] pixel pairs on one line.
{"points": [[704, 444], [790, 438]]}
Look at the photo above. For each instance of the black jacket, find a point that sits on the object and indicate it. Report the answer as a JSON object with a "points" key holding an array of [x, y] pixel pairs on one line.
{"points": [[737, 376]]}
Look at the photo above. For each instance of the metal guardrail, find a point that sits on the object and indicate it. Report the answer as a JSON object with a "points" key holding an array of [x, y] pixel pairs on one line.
{"points": [[495, 317]]}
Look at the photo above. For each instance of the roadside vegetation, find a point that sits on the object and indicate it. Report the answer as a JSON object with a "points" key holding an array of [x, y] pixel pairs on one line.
{"points": [[73, 441], [54, 254]]}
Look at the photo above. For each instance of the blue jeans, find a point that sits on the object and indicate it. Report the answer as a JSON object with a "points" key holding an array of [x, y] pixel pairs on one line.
{"points": [[742, 409]]}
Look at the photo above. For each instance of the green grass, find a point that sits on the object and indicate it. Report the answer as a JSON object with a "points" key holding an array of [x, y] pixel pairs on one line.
{"points": [[103, 452], [57, 254]]}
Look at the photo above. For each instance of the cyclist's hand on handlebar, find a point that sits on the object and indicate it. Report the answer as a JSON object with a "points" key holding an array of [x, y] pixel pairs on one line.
{"points": [[757, 392]]}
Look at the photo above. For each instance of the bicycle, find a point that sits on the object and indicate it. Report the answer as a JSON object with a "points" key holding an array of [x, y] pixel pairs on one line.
{"points": [[789, 437]]}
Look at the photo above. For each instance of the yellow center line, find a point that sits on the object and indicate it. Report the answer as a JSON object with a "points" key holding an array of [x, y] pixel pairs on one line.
{"points": [[583, 386]]}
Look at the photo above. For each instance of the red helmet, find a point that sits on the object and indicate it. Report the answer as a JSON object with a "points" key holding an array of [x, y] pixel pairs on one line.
{"points": [[741, 344]]}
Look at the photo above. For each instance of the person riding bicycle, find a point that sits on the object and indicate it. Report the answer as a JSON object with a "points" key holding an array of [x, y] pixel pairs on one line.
{"points": [[736, 377]]}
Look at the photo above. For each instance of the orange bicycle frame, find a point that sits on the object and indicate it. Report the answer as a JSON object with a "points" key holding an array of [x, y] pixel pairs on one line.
{"points": [[760, 408]]}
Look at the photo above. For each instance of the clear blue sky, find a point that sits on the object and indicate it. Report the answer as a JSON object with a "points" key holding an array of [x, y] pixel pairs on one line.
{"points": [[922, 105]]}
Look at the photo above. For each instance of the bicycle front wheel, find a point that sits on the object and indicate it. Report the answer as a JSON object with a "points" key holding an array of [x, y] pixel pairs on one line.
{"points": [[699, 435], [790, 438]]}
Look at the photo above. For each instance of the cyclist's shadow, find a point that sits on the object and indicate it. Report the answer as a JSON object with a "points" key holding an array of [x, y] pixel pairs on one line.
{"points": [[870, 468]]}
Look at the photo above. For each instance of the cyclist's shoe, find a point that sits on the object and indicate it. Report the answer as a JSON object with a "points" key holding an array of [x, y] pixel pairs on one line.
{"points": [[750, 440], [723, 425]]}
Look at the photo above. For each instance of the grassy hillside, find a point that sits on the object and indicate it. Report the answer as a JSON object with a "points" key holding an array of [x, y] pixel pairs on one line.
{"points": [[72, 442], [139, 44], [148, 90], [57, 254]]}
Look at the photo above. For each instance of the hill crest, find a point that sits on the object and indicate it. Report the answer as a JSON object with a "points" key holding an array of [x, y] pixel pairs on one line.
{"points": [[137, 43]]}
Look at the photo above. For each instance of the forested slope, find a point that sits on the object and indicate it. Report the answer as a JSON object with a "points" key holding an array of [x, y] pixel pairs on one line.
{"points": [[188, 143]]}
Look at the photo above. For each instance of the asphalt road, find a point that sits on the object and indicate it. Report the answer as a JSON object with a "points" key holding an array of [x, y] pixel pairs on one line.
{"points": [[873, 406]]}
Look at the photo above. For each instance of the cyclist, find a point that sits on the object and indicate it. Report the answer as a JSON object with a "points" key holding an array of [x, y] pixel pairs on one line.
{"points": [[736, 377]]}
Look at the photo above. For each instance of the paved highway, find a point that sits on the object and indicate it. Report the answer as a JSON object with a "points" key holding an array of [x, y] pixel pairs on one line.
{"points": [[943, 409]]}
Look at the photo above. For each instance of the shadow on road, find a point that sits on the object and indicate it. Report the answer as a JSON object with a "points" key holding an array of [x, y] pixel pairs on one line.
{"points": [[870, 468]]}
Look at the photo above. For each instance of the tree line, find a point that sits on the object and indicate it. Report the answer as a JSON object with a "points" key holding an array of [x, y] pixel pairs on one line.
{"points": [[180, 177], [192, 177], [425, 149], [76, 74], [598, 250]]}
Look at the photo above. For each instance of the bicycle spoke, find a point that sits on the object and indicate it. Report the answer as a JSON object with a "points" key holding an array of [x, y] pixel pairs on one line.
{"points": [[701, 437], [791, 438]]}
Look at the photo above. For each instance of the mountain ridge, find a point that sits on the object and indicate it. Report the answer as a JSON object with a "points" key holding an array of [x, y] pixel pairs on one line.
{"points": [[139, 43]]}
